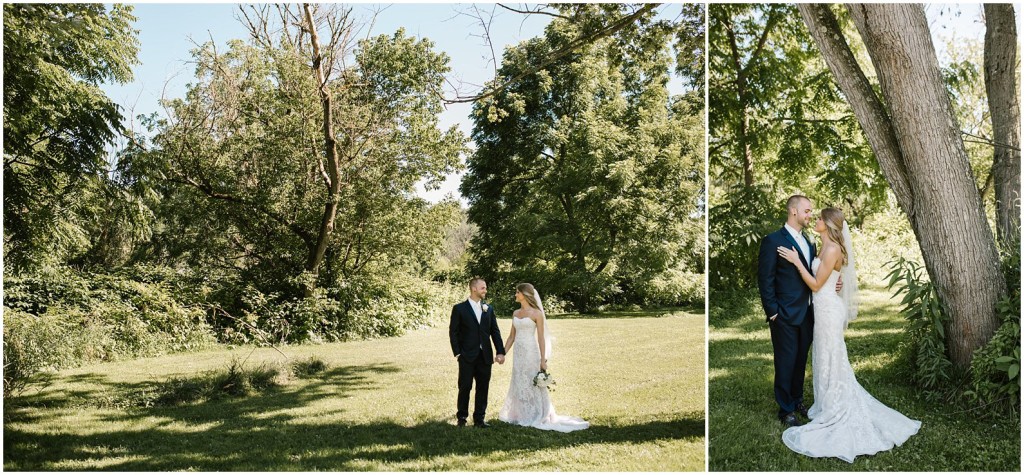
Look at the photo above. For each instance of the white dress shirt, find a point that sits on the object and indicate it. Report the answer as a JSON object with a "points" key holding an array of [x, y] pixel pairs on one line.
{"points": [[805, 248], [476, 309]]}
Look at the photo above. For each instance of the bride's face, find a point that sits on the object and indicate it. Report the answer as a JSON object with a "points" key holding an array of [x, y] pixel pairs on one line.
{"points": [[819, 225], [519, 297]]}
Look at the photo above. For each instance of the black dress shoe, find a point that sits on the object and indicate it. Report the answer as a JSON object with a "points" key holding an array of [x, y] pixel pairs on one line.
{"points": [[790, 420], [802, 410], [481, 425], [461, 423]]}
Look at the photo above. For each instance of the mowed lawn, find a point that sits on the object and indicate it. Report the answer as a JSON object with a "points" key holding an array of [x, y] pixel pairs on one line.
{"points": [[384, 405], [744, 434]]}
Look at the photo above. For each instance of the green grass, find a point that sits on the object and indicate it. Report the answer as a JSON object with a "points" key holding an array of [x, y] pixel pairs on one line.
{"points": [[383, 405], [745, 434]]}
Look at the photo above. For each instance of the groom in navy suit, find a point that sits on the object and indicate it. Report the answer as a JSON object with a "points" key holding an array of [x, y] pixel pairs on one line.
{"points": [[788, 309], [471, 331]]}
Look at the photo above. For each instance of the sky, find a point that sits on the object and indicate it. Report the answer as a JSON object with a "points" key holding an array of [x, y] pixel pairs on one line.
{"points": [[167, 33]]}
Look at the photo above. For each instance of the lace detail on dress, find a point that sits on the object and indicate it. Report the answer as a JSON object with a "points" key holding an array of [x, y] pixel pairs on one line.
{"points": [[846, 421], [526, 404]]}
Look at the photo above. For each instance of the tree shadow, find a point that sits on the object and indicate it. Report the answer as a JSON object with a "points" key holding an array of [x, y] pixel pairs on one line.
{"points": [[261, 433], [657, 312]]}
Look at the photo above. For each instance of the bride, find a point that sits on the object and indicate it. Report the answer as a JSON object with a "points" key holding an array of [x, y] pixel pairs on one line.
{"points": [[846, 421], [527, 404]]}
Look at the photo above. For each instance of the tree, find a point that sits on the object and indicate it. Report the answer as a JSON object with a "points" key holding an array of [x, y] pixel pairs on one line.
{"points": [[1001, 84], [689, 44], [913, 132], [290, 179], [586, 172], [57, 123], [778, 125]]}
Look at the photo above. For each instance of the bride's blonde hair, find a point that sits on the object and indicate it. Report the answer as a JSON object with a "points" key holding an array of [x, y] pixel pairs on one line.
{"points": [[833, 218], [528, 292]]}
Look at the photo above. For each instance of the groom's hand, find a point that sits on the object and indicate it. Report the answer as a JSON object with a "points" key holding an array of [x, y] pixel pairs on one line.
{"points": [[839, 284]]}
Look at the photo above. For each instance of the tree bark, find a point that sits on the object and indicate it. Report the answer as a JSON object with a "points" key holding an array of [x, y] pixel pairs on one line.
{"points": [[1004, 105], [316, 254], [917, 142]]}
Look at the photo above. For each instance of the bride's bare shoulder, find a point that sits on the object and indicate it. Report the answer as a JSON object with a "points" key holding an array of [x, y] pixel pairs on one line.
{"points": [[829, 248]]}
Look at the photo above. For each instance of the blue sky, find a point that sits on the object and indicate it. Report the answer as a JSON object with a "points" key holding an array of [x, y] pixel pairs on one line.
{"points": [[167, 32]]}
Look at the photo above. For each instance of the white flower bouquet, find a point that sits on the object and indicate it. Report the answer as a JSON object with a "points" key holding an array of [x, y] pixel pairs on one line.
{"points": [[544, 380]]}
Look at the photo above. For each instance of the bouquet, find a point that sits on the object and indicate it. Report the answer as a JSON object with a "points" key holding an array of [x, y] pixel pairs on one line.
{"points": [[544, 380]]}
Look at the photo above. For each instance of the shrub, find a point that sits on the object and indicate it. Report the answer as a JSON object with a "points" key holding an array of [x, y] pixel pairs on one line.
{"points": [[671, 288], [926, 331], [235, 380], [308, 367], [60, 318], [995, 367], [993, 383], [358, 309]]}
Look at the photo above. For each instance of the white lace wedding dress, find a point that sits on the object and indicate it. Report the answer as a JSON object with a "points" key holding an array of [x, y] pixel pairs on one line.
{"points": [[846, 421], [526, 404]]}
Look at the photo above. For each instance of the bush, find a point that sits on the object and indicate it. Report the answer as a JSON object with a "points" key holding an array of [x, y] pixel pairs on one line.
{"points": [[993, 383], [995, 367], [926, 330], [672, 288], [359, 309], [235, 380], [60, 318], [308, 367]]}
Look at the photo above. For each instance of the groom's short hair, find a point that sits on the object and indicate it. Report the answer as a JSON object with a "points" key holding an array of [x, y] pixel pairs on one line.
{"points": [[794, 201], [474, 280]]}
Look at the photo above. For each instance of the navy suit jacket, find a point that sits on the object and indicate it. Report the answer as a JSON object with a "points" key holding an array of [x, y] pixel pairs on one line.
{"points": [[468, 337], [783, 292]]}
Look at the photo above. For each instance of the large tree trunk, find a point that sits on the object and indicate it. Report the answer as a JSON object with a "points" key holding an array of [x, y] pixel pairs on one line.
{"points": [[316, 254], [1004, 105], [917, 142]]}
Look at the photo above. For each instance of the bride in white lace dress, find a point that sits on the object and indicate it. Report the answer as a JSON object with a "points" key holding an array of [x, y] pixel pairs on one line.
{"points": [[846, 421], [527, 404]]}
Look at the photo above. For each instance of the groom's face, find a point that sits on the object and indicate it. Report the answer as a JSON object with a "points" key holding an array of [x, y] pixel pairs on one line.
{"points": [[479, 290], [804, 214]]}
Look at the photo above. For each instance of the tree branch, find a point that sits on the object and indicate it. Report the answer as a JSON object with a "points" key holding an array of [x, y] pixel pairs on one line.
{"points": [[538, 11], [576, 44]]}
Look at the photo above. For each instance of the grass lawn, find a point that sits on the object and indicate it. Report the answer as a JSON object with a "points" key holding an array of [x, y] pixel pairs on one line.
{"points": [[384, 405], [745, 434]]}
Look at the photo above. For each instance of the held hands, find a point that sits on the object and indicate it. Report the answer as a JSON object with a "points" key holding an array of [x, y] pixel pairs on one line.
{"points": [[500, 359], [789, 254]]}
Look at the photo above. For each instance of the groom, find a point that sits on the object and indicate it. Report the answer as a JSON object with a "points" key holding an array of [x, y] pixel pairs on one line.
{"points": [[472, 329], [787, 307]]}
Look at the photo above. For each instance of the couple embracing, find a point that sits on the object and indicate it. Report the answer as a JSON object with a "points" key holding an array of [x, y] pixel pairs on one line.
{"points": [[804, 301], [472, 331]]}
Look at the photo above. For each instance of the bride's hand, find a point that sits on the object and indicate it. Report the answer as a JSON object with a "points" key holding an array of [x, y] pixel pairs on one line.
{"points": [[788, 254], [544, 365]]}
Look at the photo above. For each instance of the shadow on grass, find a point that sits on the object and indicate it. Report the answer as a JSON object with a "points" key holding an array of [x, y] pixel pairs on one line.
{"points": [[644, 313], [257, 432]]}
